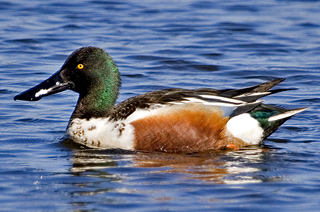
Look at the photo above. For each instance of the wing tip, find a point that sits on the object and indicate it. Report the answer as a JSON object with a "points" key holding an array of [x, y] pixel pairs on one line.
{"points": [[286, 114]]}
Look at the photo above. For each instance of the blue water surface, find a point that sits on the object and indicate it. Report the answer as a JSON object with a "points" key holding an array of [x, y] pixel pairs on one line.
{"points": [[157, 45]]}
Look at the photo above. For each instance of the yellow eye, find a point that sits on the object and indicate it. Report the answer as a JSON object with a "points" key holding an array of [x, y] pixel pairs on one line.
{"points": [[80, 66]]}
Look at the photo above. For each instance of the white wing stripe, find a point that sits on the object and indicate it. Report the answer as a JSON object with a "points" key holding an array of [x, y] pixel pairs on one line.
{"points": [[225, 99], [253, 94]]}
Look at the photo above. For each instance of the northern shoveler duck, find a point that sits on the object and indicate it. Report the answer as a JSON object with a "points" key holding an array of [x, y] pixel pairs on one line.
{"points": [[169, 120]]}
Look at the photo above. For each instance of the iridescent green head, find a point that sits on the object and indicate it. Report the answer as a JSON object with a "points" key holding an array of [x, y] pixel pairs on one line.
{"points": [[89, 71]]}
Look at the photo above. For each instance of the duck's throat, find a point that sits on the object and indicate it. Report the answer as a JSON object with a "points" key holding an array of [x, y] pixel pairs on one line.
{"points": [[98, 101]]}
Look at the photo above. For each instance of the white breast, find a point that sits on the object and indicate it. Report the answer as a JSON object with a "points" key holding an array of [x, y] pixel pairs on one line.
{"points": [[101, 133], [106, 134]]}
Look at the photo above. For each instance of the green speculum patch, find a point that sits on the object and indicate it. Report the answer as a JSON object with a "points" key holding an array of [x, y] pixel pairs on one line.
{"points": [[262, 117]]}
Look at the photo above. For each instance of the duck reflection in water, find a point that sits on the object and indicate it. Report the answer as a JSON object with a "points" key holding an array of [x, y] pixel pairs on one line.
{"points": [[225, 167]]}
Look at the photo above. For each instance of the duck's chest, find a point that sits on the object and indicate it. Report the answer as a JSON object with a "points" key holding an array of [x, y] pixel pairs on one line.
{"points": [[101, 133]]}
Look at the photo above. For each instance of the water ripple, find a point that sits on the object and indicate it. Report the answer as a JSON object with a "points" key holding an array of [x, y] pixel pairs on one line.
{"points": [[157, 45]]}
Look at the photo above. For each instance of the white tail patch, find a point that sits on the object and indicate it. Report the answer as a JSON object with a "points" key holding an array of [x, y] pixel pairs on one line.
{"points": [[245, 128], [286, 114]]}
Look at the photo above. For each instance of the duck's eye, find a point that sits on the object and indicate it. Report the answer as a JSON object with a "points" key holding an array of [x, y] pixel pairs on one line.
{"points": [[80, 66]]}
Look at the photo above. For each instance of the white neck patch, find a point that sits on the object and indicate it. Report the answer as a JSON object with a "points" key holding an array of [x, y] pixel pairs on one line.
{"points": [[245, 128]]}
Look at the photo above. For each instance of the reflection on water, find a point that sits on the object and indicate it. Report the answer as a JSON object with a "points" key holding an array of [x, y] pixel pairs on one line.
{"points": [[116, 178], [232, 167]]}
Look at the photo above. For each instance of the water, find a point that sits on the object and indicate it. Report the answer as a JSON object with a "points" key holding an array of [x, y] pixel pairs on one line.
{"points": [[159, 44]]}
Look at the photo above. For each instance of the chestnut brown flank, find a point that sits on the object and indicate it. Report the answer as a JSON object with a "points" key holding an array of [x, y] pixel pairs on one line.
{"points": [[188, 128]]}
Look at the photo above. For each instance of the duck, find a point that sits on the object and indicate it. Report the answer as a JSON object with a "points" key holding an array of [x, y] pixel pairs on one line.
{"points": [[170, 120]]}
